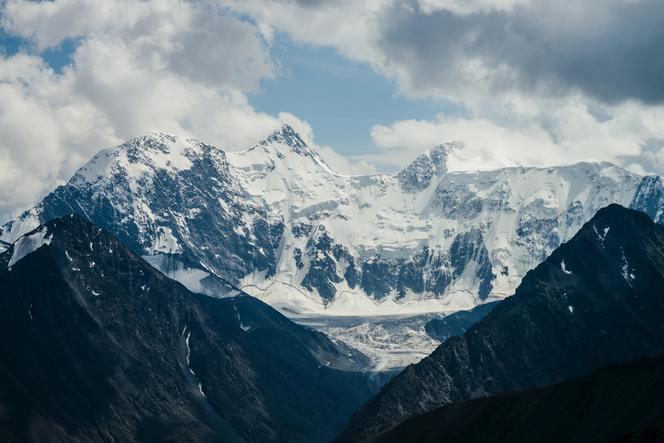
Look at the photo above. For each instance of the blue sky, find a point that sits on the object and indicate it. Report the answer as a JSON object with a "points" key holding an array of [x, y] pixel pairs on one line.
{"points": [[532, 83], [57, 58], [340, 98]]}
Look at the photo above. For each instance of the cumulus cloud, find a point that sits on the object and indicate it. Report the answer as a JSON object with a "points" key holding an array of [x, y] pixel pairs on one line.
{"points": [[198, 41], [529, 82], [488, 145], [180, 67], [606, 49], [532, 81], [570, 131], [462, 7]]}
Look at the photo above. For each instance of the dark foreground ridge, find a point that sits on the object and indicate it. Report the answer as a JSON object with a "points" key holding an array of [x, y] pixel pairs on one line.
{"points": [[97, 345], [597, 300], [457, 323], [614, 403]]}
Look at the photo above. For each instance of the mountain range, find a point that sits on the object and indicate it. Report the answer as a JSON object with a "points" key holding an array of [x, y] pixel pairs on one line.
{"points": [[596, 300], [98, 345], [275, 221], [128, 309]]}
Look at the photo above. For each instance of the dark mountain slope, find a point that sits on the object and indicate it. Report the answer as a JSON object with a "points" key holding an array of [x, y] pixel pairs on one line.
{"points": [[620, 402], [97, 345], [597, 300], [457, 323]]}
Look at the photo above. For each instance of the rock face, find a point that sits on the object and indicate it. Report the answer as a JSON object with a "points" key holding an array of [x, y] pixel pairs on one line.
{"points": [[649, 198], [98, 345], [615, 403], [456, 324], [427, 167], [164, 196], [277, 222], [595, 301]]}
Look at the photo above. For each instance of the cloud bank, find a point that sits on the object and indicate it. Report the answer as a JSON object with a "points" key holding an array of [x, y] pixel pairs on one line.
{"points": [[180, 67], [534, 81], [530, 82]]}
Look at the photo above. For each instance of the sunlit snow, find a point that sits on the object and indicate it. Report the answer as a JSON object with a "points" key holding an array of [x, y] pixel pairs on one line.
{"points": [[29, 243], [564, 268]]}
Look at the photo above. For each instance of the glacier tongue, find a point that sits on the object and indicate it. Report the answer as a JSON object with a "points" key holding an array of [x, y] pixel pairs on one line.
{"points": [[391, 342]]}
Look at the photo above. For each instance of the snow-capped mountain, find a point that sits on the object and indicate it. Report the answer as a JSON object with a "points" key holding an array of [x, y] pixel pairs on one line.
{"points": [[596, 300], [276, 221]]}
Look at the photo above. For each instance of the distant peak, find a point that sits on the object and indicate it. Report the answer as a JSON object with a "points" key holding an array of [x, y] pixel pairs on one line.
{"points": [[432, 163], [288, 136], [438, 154], [151, 140], [614, 212]]}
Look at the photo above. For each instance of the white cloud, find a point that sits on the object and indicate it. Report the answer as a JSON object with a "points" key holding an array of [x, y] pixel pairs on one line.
{"points": [[175, 66], [533, 82], [347, 165], [569, 132], [195, 40], [463, 7], [348, 25]]}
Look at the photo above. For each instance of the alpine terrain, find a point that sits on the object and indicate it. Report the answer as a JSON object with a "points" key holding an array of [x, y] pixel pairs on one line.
{"points": [[616, 403], [597, 300], [97, 345], [277, 222]]}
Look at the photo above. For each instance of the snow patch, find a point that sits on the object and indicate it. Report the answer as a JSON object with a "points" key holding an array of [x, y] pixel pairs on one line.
{"points": [[186, 341], [564, 268], [601, 236], [165, 242], [27, 222], [188, 356], [627, 273], [200, 389], [28, 244], [245, 328], [189, 277]]}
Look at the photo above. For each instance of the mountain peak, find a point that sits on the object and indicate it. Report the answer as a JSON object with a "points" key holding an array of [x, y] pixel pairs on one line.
{"points": [[595, 301], [290, 137], [623, 223], [614, 211], [152, 141], [280, 143], [155, 151], [432, 163]]}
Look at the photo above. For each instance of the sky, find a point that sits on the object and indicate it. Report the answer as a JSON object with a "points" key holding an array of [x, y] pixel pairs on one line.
{"points": [[372, 84]]}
